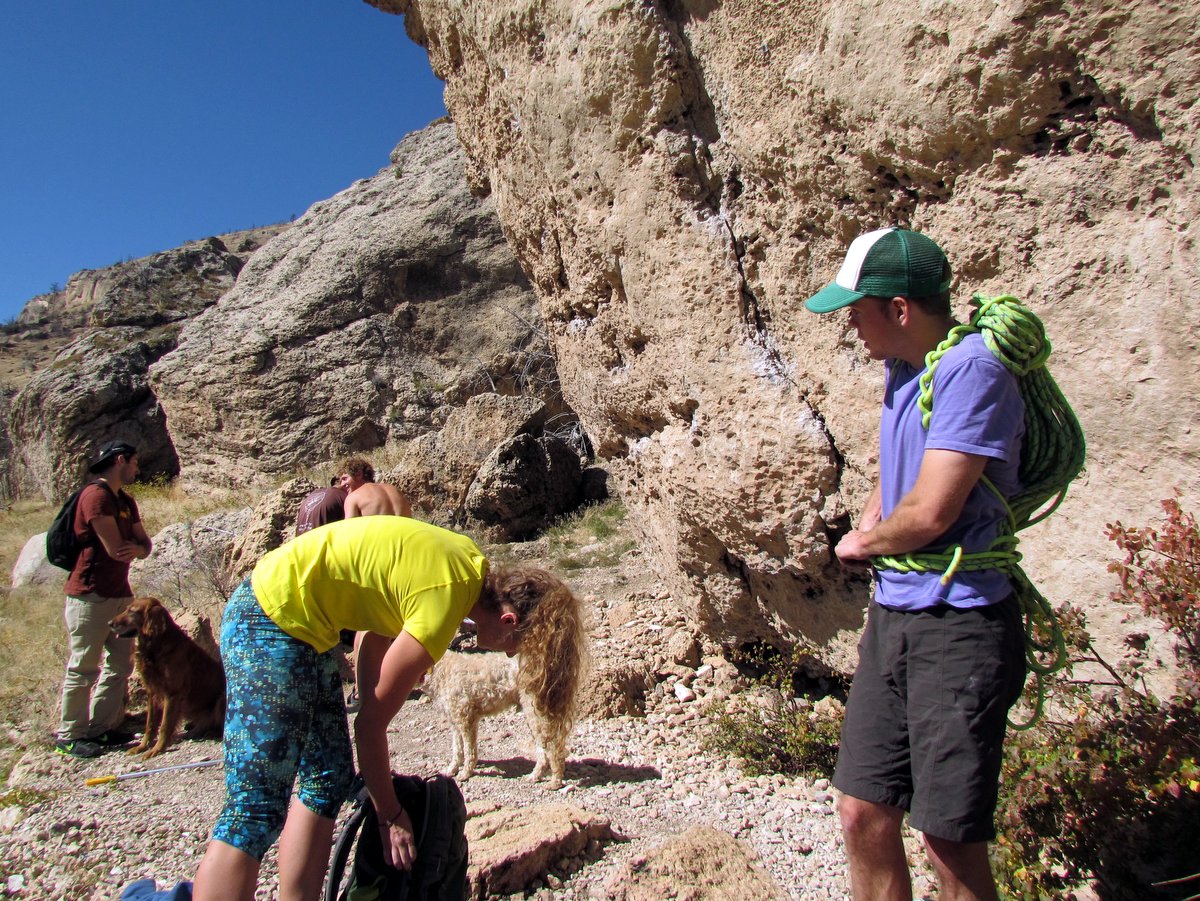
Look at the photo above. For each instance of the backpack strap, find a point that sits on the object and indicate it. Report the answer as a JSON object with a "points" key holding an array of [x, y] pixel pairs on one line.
{"points": [[434, 851]]}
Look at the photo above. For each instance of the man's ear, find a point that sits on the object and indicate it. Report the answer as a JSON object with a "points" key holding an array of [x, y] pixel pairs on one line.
{"points": [[898, 310]]}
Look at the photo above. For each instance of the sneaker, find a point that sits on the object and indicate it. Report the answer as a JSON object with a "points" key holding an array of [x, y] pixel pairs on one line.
{"points": [[77, 747], [352, 701], [114, 738]]}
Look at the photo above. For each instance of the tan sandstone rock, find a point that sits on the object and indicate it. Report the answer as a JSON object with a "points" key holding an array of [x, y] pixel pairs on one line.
{"points": [[677, 178], [272, 522], [701, 864], [512, 848]]}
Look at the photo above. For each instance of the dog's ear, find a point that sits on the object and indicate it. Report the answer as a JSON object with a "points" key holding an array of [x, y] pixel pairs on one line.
{"points": [[154, 618]]}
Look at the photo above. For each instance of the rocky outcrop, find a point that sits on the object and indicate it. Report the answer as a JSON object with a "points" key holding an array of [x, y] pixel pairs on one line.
{"points": [[677, 178], [114, 323], [165, 287], [493, 467], [271, 523], [512, 848], [190, 566], [95, 390], [375, 314], [525, 483]]}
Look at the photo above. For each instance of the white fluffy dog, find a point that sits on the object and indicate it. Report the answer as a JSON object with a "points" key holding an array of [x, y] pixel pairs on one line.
{"points": [[469, 687]]}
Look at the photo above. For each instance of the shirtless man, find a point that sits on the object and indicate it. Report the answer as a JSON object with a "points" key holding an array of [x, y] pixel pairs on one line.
{"points": [[365, 496]]}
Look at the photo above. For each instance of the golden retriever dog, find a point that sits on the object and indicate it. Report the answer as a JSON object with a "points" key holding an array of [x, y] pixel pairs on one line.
{"points": [[182, 681], [468, 687]]}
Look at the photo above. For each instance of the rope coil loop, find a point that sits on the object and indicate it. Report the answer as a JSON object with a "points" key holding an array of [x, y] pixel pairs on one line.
{"points": [[1052, 455]]}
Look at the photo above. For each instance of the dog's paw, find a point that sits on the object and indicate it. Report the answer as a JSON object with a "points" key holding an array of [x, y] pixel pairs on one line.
{"points": [[137, 749]]}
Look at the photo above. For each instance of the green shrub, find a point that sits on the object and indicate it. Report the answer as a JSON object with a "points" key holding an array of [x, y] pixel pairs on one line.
{"points": [[590, 537], [774, 729], [1106, 789], [778, 735]]}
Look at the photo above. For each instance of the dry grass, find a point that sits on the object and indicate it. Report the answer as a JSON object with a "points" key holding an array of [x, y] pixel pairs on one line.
{"points": [[590, 537], [163, 504]]}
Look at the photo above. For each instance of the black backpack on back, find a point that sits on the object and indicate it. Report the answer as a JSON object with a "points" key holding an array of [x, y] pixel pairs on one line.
{"points": [[63, 547], [439, 815]]}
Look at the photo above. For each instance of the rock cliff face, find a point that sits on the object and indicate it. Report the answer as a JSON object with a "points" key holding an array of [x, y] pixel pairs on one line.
{"points": [[676, 177], [114, 323], [375, 314]]}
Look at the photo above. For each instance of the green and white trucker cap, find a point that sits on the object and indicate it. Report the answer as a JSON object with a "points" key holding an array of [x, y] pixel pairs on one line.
{"points": [[888, 262]]}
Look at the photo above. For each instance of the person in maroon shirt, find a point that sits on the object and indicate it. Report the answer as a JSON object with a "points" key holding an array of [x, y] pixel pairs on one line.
{"points": [[98, 667], [321, 507]]}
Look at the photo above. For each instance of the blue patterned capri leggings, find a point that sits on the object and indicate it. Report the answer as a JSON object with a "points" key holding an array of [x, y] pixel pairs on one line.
{"points": [[285, 717]]}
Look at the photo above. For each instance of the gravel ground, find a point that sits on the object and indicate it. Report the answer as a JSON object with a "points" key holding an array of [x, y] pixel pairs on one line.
{"points": [[60, 839], [647, 776]]}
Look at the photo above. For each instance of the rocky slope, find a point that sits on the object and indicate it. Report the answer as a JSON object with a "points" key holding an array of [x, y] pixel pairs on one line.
{"points": [[677, 177], [376, 313], [76, 361]]}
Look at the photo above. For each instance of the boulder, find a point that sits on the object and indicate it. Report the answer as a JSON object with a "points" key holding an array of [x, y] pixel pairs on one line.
{"points": [[677, 178], [491, 468], [523, 486], [271, 523], [616, 688], [32, 567], [190, 565], [511, 848]]}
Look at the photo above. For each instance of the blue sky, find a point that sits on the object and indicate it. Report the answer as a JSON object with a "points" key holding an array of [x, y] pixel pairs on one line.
{"points": [[134, 126]]}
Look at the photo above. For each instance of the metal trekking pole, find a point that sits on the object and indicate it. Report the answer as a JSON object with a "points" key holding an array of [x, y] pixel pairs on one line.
{"points": [[104, 780]]}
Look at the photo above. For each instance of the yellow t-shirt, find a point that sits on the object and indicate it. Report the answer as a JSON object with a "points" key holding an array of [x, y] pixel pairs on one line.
{"points": [[382, 574]]}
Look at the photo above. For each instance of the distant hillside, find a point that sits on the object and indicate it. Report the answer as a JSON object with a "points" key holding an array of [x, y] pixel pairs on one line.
{"points": [[49, 322]]}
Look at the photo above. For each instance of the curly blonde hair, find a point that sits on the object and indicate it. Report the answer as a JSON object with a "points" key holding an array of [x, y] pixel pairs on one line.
{"points": [[554, 650]]}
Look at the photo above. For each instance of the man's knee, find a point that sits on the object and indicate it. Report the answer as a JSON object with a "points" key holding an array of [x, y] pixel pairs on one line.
{"points": [[867, 820]]}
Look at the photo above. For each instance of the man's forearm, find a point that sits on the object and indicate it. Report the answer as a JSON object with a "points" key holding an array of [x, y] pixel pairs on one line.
{"points": [[905, 530]]}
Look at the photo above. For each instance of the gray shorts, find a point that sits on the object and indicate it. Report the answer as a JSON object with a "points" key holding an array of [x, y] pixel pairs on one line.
{"points": [[926, 716]]}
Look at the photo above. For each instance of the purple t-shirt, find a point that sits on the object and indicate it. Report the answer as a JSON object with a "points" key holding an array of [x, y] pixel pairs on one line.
{"points": [[977, 409]]}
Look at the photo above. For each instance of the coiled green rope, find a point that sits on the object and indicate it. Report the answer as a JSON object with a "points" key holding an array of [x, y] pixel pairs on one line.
{"points": [[1052, 454]]}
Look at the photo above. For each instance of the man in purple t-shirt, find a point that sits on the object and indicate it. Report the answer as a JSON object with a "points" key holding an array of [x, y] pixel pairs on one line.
{"points": [[939, 664]]}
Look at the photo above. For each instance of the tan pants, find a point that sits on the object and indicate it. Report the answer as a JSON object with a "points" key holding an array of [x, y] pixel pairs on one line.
{"points": [[98, 660]]}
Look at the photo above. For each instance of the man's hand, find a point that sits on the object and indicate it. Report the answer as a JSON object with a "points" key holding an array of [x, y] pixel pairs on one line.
{"points": [[852, 549]]}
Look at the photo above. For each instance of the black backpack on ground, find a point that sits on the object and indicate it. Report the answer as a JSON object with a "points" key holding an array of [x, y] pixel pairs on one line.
{"points": [[63, 547], [439, 816]]}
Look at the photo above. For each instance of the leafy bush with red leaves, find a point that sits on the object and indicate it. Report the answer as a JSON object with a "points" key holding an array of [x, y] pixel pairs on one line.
{"points": [[1106, 788]]}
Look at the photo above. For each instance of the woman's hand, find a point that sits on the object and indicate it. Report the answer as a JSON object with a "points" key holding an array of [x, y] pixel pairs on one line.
{"points": [[399, 843]]}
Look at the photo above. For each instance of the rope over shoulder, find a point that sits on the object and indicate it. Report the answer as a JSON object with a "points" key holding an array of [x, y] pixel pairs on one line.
{"points": [[1052, 455]]}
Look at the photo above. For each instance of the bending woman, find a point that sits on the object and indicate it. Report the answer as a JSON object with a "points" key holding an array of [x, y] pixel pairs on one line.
{"points": [[407, 586]]}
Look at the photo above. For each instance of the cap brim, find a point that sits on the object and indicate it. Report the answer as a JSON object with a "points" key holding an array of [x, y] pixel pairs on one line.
{"points": [[832, 297], [101, 463]]}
